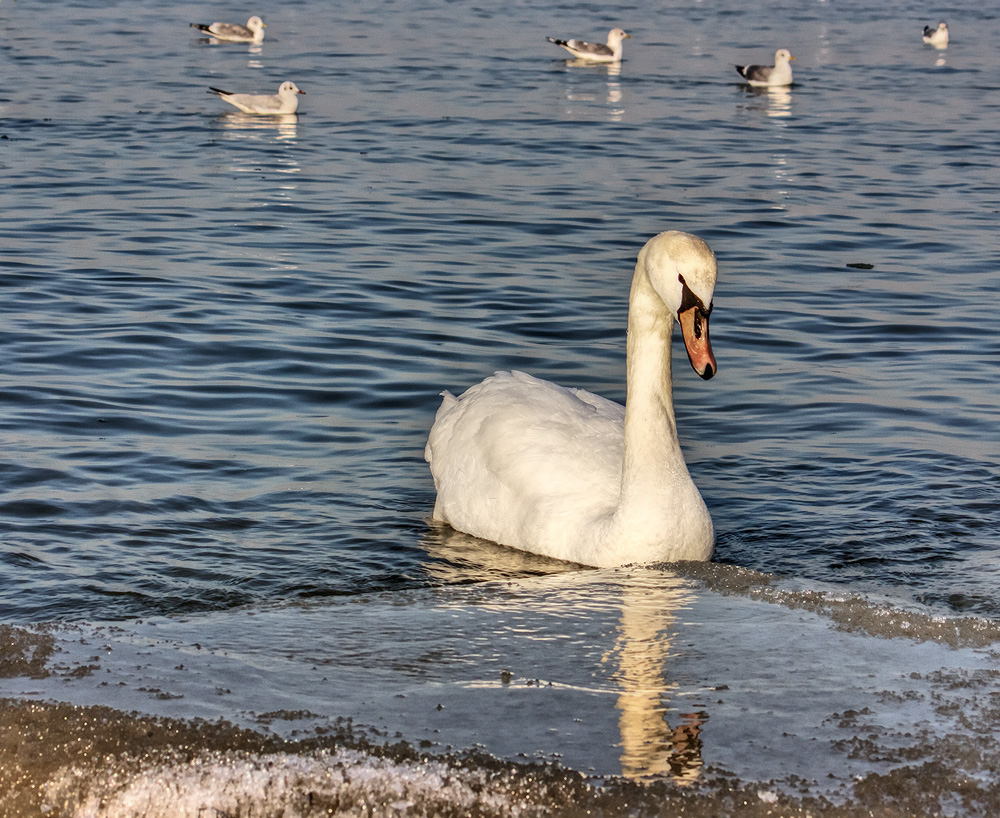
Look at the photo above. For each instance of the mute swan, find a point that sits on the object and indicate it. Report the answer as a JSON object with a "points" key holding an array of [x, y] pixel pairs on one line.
{"points": [[286, 101], [595, 52], [766, 75], [571, 475], [252, 32]]}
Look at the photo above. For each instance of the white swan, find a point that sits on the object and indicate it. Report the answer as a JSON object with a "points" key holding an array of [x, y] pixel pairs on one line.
{"points": [[571, 475]]}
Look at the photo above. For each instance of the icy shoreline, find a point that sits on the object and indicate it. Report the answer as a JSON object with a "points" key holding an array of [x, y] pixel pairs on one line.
{"points": [[620, 687]]}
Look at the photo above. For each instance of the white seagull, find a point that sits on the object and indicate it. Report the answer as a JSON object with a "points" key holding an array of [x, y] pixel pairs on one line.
{"points": [[595, 52], [766, 75], [574, 476], [936, 36], [252, 32], [286, 101]]}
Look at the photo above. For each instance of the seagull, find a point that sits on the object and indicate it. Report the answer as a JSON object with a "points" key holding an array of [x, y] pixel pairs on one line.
{"points": [[286, 101], [778, 74], [936, 36], [252, 32], [596, 52]]}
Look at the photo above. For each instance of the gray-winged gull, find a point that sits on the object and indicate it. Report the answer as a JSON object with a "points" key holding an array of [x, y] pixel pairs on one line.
{"points": [[252, 32], [778, 74], [936, 36], [286, 101], [595, 52]]}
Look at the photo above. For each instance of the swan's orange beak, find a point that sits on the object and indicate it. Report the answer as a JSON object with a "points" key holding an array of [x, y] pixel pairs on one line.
{"points": [[694, 327]]}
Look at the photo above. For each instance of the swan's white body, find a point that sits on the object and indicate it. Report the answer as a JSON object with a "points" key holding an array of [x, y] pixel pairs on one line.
{"points": [[571, 475], [769, 75], [596, 52]]}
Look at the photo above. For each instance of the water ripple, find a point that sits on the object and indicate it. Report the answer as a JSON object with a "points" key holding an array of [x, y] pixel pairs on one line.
{"points": [[224, 338]]}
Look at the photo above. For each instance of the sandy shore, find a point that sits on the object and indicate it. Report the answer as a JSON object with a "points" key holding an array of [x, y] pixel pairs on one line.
{"points": [[65, 760]]}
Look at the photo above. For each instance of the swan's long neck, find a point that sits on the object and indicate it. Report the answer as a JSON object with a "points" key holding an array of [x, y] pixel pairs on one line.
{"points": [[660, 513], [653, 461]]}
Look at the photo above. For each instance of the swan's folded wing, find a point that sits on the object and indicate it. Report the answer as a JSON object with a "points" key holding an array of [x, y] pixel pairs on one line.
{"points": [[516, 447]]}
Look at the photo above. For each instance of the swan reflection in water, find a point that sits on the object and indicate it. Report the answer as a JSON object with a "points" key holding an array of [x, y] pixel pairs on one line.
{"points": [[652, 747], [657, 738]]}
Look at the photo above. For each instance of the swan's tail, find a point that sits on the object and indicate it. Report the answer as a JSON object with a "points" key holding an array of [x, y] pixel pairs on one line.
{"points": [[447, 402]]}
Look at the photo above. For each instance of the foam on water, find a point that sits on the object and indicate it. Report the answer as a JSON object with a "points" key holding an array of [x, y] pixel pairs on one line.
{"points": [[341, 782]]}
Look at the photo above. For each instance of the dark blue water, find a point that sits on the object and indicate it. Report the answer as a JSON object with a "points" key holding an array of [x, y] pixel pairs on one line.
{"points": [[224, 338]]}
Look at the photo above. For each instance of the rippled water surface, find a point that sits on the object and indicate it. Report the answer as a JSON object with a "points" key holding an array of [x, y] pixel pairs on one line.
{"points": [[224, 336]]}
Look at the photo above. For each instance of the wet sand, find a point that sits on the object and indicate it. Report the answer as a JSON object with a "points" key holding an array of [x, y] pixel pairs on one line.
{"points": [[58, 759], [928, 745]]}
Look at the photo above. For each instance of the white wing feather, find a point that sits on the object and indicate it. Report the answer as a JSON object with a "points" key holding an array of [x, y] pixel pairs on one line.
{"points": [[518, 448]]}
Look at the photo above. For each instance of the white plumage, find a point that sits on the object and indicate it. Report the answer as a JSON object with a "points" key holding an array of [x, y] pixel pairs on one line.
{"points": [[595, 52], [937, 37], [571, 475], [766, 75], [252, 32], [286, 101]]}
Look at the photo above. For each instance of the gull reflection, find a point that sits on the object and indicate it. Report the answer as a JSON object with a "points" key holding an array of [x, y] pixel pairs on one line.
{"points": [[614, 68], [255, 50], [775, 101], [779, 102], [657, 738], [282, 127], [277, 131], [613, 93]]}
